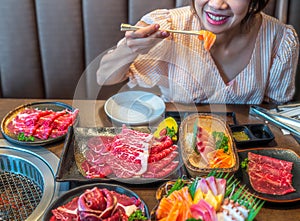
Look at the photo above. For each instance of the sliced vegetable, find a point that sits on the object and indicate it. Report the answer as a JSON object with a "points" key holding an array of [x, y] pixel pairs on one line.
{"points": [[195, 132], [193, 219], [23, 137], [193, 187], [220, 159], [179, 184], [171, 132], [137, 215], [221, 140], [167, 127], [244, 163]]}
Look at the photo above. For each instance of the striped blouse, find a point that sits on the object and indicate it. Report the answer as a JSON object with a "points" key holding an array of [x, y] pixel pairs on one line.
{"points": [[186, 73]]}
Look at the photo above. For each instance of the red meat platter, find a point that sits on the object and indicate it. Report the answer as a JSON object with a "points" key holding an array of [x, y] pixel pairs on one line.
{"points": [[39, 123], [80, 152], [67, 205], [278, 154]]}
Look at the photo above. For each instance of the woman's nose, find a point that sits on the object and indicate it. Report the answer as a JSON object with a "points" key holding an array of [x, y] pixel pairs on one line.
{"points": [[218, 4]]}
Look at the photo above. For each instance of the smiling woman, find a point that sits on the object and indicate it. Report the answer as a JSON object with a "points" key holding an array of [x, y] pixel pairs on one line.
{"points": [[244, 66], [36, 63]]}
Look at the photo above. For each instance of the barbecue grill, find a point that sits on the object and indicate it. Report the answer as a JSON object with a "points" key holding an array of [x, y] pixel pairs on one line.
{"points": [[27, 181]]}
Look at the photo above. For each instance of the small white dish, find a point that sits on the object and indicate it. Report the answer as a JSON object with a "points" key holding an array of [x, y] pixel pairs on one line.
{"points": [[134, 107]]}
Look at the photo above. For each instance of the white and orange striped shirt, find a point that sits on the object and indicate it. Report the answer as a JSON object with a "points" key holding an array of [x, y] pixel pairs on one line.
{"points": [[186, 73]]}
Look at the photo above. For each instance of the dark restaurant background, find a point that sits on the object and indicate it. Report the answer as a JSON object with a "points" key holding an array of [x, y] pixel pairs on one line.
{"points": [[45, 46]]}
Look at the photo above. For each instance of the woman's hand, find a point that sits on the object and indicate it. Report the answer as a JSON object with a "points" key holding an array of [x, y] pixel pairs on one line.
{"points": [[143, 39]]}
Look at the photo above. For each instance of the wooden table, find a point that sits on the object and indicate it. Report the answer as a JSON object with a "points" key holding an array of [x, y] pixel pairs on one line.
{"points": [[92, 114]]}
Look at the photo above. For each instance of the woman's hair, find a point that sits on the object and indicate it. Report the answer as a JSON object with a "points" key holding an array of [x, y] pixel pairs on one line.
{"points": [[255, 6]]}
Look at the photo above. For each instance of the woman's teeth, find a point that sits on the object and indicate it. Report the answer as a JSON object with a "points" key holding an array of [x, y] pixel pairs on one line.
{"points": [[216, 18]]}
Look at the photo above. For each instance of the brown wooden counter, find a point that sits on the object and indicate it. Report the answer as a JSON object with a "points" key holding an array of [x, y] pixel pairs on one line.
{"points": [[92, 114]]}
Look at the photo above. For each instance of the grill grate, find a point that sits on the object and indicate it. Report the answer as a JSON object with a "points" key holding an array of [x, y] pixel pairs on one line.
{"points": [[19, 196]]}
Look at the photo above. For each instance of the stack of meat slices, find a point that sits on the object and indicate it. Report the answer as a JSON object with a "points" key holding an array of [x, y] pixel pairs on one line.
{"points": [[42, 124], [98, 204], [130, 154], [270, 175]]}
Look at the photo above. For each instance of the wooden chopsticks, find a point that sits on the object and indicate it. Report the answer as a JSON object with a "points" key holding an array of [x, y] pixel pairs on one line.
{"points": [[128, 27]]}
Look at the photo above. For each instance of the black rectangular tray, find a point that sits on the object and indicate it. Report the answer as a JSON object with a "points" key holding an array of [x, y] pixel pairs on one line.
{"points": [[69, 172], [179, 116], [258, 134], [260, 137]]}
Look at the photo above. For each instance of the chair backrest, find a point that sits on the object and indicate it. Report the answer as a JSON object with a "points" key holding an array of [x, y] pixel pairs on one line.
{"points": [[45, 45]]}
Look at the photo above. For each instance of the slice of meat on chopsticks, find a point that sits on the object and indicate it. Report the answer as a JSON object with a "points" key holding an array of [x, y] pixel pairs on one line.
{"points": [[208, 38]]}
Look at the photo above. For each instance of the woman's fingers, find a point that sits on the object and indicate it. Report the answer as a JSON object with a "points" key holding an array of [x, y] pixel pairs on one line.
{"points": [[143, 39], [143, 32], [148, 30], [154, 30]]}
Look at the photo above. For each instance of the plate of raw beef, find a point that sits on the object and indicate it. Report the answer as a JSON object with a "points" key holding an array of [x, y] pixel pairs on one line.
{"points": [[272, 174], [96, 202], [128, 155], [38, 124]]}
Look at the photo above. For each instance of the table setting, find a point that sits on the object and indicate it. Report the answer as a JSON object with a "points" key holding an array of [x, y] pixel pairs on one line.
{"points": [[184, 141]]}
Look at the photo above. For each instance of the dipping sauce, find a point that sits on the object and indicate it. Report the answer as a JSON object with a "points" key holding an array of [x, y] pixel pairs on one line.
{"points": [[240, 136]]}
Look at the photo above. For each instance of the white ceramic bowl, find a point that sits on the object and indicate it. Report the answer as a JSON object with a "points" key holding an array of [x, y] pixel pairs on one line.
{"points": [[134, 108]]}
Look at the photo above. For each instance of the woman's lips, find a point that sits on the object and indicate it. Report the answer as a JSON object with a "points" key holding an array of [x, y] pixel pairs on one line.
{"points": [[216, 19]]}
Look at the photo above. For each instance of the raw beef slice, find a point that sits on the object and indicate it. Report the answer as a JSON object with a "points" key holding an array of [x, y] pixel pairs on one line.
{"points": [[270, 175]]}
